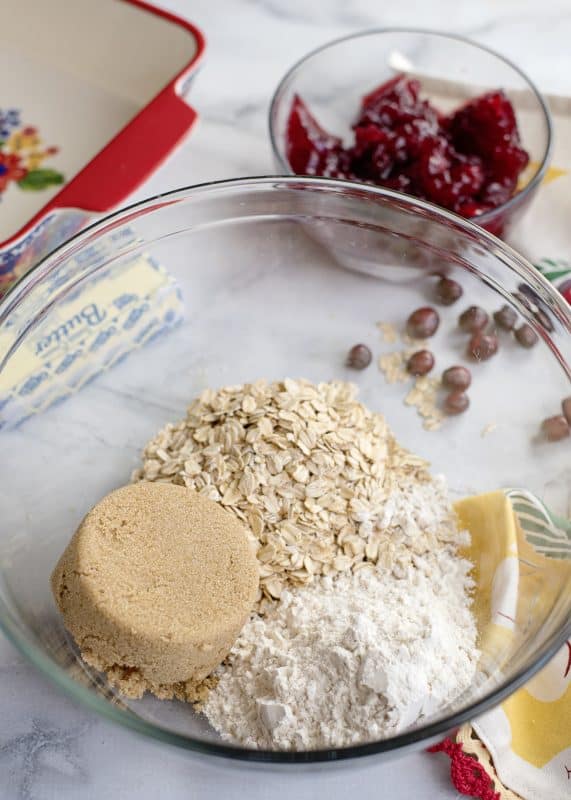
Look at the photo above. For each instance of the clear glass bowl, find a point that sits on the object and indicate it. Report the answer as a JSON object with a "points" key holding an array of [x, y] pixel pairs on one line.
{"points": [[277, 277], [333, 79]]}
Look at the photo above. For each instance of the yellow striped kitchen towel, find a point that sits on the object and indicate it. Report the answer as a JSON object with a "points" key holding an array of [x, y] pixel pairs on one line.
{"points": [[521, 578]]}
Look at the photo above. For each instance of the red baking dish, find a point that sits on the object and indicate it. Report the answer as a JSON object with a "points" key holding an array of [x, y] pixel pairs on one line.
{"points": [[92, 103]]}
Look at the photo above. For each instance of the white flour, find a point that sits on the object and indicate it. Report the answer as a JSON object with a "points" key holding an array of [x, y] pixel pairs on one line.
{"points": [[361, 656]]}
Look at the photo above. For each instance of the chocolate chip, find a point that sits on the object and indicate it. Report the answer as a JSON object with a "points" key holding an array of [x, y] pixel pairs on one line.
{"points": [[555, 428], [473, 319], [359, 357], [526, 336], [482, 346], [448, 291], [423, 323], [456, 378], [420, 363], [456, 402], [505, 318]]}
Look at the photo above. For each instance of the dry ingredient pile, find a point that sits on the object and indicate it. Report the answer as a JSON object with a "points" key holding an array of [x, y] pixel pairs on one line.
{"points": [[349, 660], [362, 624]]}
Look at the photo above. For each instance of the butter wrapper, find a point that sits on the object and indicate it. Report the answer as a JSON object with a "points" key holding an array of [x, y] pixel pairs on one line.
{"points": [[119, 310]]}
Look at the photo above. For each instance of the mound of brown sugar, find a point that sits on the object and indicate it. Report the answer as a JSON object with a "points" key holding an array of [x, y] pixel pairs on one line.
{"points": [[155, 586]]}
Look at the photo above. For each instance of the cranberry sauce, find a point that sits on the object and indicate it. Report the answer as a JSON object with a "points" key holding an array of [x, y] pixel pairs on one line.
{"points": [[468, 161]]}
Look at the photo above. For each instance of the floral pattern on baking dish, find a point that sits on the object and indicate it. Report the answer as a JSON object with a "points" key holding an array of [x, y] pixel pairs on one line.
{"points": [[22, 155]]}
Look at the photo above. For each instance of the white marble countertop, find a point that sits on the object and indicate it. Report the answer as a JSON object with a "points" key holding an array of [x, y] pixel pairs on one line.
{"points": [[49, 747]]}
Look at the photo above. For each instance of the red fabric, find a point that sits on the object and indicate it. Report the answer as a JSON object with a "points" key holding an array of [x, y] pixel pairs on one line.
{"points": [[468, 776]]}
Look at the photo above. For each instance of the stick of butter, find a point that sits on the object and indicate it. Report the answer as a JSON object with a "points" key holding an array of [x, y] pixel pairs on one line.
{"points": [[116, 311]]}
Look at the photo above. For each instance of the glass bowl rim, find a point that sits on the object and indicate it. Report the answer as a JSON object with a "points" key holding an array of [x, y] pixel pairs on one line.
{"points": [[487, 216], [86, 697]]}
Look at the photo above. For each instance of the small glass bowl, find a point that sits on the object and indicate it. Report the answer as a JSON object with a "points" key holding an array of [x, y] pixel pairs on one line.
{"points": [[332, 79], [267, 277]]}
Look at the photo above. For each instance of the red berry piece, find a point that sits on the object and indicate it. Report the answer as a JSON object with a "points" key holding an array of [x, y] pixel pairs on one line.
{"points": [[308, 145], [565, 290]]}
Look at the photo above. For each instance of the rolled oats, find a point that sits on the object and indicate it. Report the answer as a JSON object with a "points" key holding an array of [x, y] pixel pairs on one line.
{"points": [[309, 469], [388, 332]]}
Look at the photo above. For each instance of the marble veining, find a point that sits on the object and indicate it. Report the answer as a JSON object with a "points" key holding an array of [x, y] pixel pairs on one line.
{"points": [[42, 747], [49, 746]]}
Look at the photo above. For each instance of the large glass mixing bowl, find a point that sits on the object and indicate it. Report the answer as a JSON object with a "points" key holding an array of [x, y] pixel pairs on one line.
{"points": [[273, 277]]}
